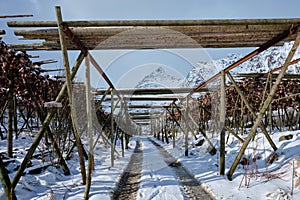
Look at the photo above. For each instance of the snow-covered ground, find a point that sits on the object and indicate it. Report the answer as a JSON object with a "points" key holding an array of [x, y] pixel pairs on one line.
{"points": [[51, 183], [258, 181], [158, 180]]}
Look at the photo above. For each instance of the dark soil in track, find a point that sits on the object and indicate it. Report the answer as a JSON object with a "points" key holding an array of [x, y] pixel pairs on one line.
{"points": [[192, 189], [129, 183], [130, 180]]}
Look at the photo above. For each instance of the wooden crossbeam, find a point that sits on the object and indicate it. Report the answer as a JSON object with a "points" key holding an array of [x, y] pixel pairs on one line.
{"points": [[261, 75], [96, 23], [143, 113], [152, 91], [156, 34], [148, 98]]}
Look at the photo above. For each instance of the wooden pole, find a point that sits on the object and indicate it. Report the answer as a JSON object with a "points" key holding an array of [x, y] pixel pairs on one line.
{"points": [[6, 184], [89, 127], [70, 94], [270, 106], [122, 136], [261, 125], [173, 125], [186, 138], [46, 123], [222, 123], [125, 23], [265, 106], [10, 107], [112, 129], [15, 117], [15, 16]]}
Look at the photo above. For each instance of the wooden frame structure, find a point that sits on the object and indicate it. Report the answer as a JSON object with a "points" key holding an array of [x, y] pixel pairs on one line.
{"points": [[204, 33], [87, 35]]}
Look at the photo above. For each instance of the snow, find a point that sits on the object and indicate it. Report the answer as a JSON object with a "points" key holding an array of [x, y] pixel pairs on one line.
{"points": [[259, 181], [158, 179], [53, 183]]}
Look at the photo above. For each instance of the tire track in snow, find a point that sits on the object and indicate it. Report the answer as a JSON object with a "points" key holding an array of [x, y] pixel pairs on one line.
{"points": [[191, 187], [130, 180]]}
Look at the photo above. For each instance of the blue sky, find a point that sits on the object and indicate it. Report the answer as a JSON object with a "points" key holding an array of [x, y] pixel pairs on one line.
{"points": [[145, 9]]}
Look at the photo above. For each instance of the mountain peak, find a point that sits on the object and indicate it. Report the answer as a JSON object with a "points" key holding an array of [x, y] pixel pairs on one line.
{"points": [[160, 78]]}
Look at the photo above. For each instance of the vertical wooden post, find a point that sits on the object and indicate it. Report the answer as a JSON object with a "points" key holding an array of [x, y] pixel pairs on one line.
{"points": [[70, 94], [153, 133], [112, 129], [270, 106], [140, 129], [6, 184], [222, 123], [157, 126], [173, 134], [10, 108], [89, 126], [186, 138], [160, 126], [15, 117], [265, 106], [173, 126], [164, 133], [122, 131]]}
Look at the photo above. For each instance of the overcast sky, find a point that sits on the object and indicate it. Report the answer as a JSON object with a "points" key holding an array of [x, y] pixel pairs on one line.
{"points": [[147, 9]]}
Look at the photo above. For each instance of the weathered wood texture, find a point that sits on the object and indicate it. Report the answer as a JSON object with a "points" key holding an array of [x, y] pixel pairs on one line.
{"points": [[143, 34]]}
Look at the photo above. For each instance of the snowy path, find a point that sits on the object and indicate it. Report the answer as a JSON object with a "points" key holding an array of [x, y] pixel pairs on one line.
{"points": [[156, 175], [158, 180], [129, 182]]}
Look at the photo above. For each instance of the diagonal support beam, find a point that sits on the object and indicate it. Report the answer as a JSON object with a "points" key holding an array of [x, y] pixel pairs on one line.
{"points": [[265, 105], [68, 32], [70, 93], [262, 48], [261, 125], [45, 124]]}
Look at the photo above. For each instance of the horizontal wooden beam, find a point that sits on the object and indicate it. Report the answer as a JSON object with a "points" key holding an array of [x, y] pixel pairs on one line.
{"points": [[47, 47], [144, 113], [154, 22], [143, 123], [143, 117], [15, 16], [152, 91], [148, 98], [2, 32], [204, 32], [262, 75], [146, 107], [157, 34]]}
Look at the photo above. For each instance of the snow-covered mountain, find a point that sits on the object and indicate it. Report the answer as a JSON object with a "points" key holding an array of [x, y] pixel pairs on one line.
{"points": [[270, 59], [160, 78]]}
